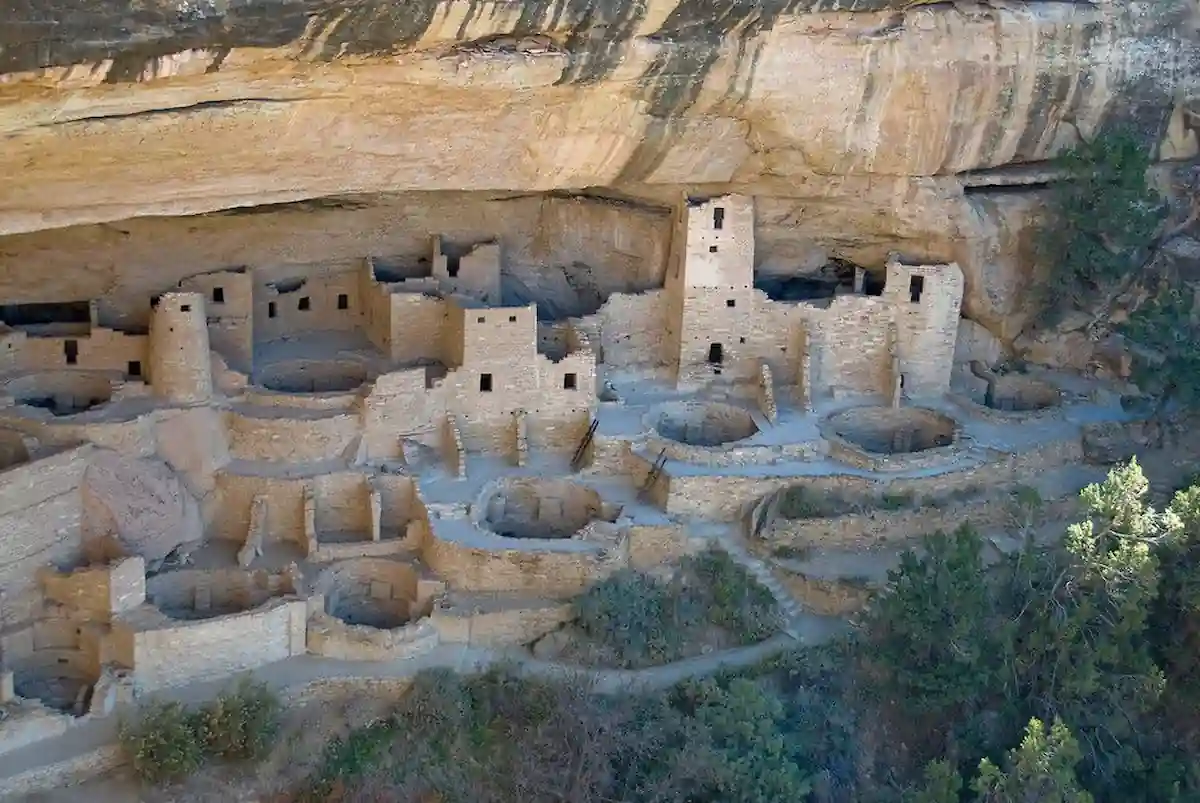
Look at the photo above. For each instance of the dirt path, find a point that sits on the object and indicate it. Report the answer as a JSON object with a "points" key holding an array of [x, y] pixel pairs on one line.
{"points": [[39, 765]]}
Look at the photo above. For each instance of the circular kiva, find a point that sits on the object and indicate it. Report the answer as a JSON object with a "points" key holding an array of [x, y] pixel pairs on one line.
{"points": [[887, 430], [703, 424], [312, 376], [541, 508], [372, 592]]}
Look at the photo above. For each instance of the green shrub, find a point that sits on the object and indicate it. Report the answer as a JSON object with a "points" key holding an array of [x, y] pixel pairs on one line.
{"points": [[1100, 221], [732, 598], [641, 619], [165, 743], [646, 621], [241, 724], [897, 501]]}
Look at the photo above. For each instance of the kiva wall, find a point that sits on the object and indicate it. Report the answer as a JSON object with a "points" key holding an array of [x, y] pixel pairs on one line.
{"points": [[174, 653]]}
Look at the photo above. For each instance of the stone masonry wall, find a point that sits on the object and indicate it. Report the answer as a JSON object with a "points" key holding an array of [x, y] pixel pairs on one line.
{"points": [[416, 326], [177, 653], [307, 299], [850, 347], [40, 513], [290, 438], [927, 300], [229, 305]]}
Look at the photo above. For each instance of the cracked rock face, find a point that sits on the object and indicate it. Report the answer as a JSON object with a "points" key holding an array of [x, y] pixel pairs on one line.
{"points": [[863, 126]]}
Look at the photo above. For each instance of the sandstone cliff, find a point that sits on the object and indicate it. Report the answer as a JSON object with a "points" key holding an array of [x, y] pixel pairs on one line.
{"points": [[863, 126]]}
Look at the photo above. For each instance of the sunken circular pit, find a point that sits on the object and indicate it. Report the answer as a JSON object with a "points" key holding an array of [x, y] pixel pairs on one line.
{"points": [[871, 433], [888, 430], [372, 592], [540, 508], [705, 425], [312, 376], [61, 393]]}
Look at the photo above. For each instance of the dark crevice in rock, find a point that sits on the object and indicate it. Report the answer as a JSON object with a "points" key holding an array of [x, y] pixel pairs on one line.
{"points": [[305, 206], [191, 108]]}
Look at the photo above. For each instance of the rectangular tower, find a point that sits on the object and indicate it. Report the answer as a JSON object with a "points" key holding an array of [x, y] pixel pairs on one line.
{"points": [[710, 286]]}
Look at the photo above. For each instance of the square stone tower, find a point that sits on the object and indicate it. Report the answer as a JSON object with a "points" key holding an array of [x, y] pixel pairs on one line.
{"points": [[927, 300], [710, 287]]}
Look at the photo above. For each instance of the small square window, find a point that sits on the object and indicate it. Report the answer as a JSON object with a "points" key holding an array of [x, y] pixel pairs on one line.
{"points": [[742, 340], [570, 381], [218, 295], [512, 318], [270, 309], [134, 368], [481, 319], [485, 383], [185, 307], [343, 301], [304, 303], [712, 249], [729, 302]]}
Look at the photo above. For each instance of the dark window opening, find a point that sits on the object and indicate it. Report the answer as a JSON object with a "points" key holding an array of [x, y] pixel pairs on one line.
{"points": [[485, 383], [270, 309], [729, 302], [343, 301], [902, 381], [71, 351], [218, 295], [512, 318], [916, 286], [569, 381], [452, 265], [481, 319], [134, 368], [716, 354], [154, 301], [719, 218], [303, 304], [37, 314], [712, 249], [185, 307], [742, 340]]}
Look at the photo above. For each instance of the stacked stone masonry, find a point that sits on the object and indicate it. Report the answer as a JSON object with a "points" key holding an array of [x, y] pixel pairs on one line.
{"points": [[366, 459]]}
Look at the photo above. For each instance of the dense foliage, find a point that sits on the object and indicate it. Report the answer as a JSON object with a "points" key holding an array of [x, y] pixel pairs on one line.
{"points": [[643, 620], [1085, 636], [1101, 220], [169, 741]]}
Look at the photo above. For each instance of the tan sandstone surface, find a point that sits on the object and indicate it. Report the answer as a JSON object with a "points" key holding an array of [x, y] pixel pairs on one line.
{"points": [[861, 128]]}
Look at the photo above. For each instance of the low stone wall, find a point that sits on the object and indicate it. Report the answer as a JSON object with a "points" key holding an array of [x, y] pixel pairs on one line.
{"points": [[484, 562], [741, 455], [167, 652], [333, 638], [492, 623], [864, 530], [265, 397], [70, 771], [733, 498], [27, 722], [290, 438], [846, 452]]}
